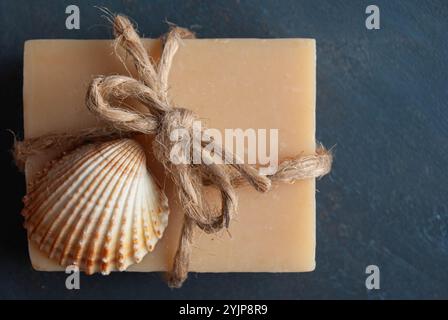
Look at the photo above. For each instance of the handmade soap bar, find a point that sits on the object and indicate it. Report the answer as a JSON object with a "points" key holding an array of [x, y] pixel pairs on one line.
{"points": [[238, 83]]}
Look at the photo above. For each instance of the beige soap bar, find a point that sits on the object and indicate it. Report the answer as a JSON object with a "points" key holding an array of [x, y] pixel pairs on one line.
{"points": [[238, 83]]}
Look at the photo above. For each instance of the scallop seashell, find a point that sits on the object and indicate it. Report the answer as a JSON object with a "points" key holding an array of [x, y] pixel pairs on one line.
{"points": [[97, 207]]}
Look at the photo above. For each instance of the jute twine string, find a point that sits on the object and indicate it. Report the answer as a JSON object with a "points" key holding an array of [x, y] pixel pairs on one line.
{"points": [[159, 119]]}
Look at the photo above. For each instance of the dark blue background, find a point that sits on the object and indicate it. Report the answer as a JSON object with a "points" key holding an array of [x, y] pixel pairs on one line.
{"points": [[382, 99]]}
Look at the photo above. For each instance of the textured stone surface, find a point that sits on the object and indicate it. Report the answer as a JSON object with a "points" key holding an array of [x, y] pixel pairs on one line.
{"points": [[381, 100]]}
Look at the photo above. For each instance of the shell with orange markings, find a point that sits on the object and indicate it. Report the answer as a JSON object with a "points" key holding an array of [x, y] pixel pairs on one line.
{"points": [[96, 207]]}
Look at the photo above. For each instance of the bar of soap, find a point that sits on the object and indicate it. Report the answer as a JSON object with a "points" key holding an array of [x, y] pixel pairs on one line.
{"points": [[229, 83]]}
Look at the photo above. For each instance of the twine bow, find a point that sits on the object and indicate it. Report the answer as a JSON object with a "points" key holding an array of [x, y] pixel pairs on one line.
{"points": [[159, 119]]}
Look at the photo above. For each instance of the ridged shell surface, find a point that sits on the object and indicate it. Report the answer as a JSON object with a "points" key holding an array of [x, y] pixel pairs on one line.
{"points": [[96, 207]]}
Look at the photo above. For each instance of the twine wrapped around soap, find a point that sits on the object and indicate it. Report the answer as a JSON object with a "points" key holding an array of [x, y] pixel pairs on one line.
{"points": [[159, 119]]}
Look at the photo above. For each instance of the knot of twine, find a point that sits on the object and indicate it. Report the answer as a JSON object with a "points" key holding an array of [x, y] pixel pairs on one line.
{"points": [[160, 118]]}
